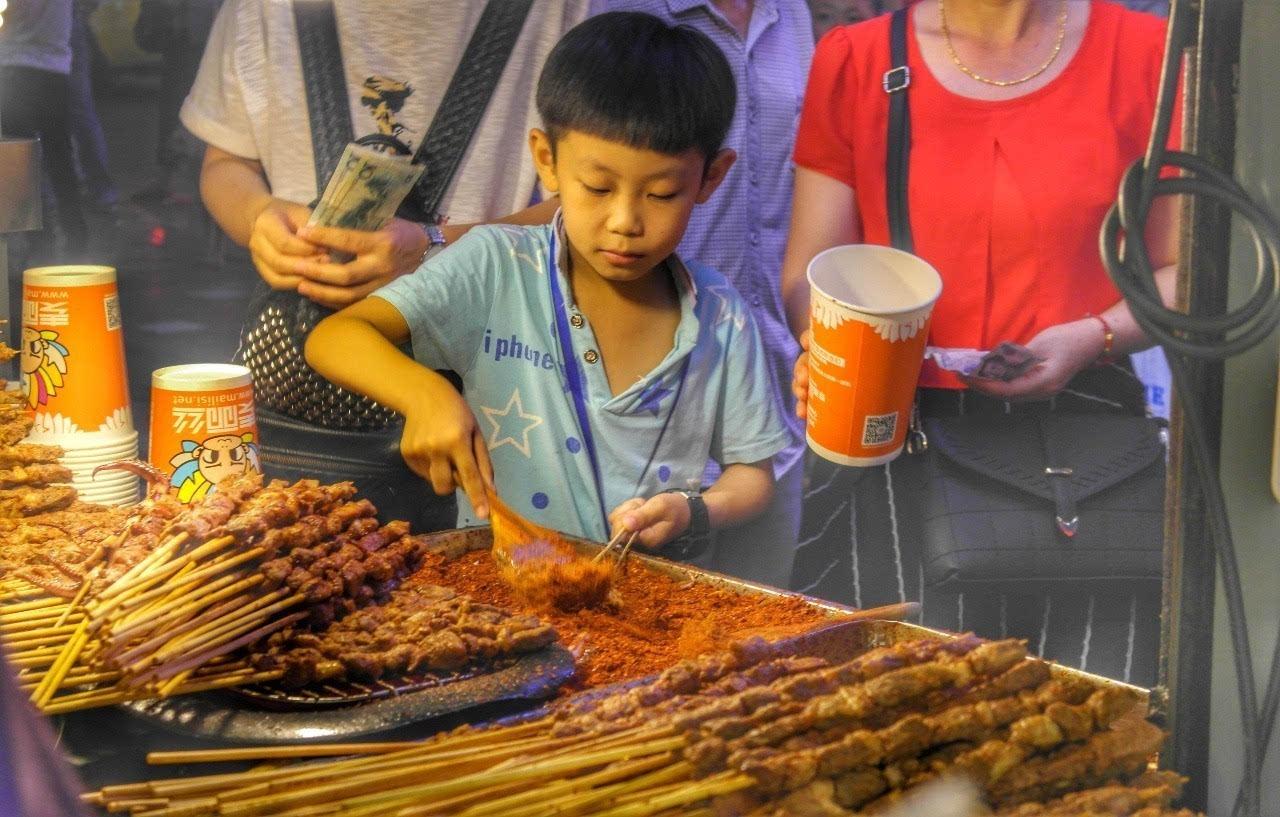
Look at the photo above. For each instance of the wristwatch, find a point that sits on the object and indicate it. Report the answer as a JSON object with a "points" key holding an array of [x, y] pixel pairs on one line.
{"points": [[435, 239], [699, 519]]}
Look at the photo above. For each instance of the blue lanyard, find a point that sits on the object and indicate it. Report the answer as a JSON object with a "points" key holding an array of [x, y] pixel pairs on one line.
{"points": [[574, 376], [578, 389]]}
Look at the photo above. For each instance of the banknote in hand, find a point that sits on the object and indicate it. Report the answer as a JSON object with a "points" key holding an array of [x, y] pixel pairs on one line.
{"points": [[365, 190], [1007, 362]]}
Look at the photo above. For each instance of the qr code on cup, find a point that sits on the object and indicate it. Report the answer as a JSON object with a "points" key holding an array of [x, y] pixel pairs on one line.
{"points": [[112, 305], [879, 429]]}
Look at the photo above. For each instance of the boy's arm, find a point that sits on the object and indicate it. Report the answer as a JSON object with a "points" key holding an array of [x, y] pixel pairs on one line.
{"points": [[742, 491], [357, 349]]}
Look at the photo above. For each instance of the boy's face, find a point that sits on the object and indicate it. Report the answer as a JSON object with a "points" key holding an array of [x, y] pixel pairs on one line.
{"points": [[625, 208]]}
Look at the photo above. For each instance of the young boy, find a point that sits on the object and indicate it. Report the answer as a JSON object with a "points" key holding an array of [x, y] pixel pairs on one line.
{"points": [[600, 372]]}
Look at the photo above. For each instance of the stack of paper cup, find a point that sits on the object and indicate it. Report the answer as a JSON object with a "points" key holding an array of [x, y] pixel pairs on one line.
{"points": [[74, 378], [203, 426]]}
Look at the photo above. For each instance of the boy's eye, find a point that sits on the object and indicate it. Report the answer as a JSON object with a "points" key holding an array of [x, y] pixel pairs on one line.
{"points": [[595, 191], [663, 196]]}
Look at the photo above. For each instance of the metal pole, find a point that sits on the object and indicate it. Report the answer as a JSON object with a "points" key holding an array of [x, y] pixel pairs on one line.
{"points": [[1204, 272]]}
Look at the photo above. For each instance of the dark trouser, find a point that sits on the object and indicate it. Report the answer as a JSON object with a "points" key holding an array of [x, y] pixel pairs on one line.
{"points": [[86, 128], [35, 103], [861, 538]]}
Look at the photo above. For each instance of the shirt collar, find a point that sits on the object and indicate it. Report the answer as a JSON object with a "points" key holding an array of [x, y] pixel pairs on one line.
{"points": [[685, 283], [681, 6]]}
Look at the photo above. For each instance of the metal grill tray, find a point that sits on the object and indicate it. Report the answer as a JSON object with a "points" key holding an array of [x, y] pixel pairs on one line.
{"points": [[231, 717], [341, 692], [234, 718]]}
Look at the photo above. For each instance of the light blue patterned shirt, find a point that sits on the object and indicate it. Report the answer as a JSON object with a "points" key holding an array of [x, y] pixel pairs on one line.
{"points": [[741, 232], [484, 309]]}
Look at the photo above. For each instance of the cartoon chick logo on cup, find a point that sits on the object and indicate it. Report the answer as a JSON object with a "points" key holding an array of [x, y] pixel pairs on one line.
{"points": [[201, 466], [44, 364]]}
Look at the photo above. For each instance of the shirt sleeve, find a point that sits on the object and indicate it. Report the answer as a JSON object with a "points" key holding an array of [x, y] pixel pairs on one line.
{"points": [[447, 301], [823, 141], [749, 426], [214, 111]]}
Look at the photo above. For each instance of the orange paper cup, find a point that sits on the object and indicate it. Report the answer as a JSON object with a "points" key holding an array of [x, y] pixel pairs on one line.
{"points": [[73, 370], [203, 426], [870, 321]]}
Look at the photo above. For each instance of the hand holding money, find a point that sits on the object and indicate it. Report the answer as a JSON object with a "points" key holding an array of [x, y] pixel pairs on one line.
{"points": [[355, 221], [1007, 362], [1041, 368]]}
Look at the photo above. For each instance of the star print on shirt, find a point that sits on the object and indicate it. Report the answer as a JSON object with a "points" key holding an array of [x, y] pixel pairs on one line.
{"points": [[511, 426], [651, 398], [728, 309]]}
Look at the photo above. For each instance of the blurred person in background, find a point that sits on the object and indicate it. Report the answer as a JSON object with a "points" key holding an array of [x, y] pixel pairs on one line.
{"points": [[86, 128], [35, 101]]}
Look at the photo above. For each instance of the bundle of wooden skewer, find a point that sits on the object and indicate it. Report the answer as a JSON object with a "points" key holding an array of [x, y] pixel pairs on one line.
{"points": [[754, 731], [215, 577]]}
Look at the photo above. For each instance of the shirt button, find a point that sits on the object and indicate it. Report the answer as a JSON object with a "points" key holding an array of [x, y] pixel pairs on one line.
{"points": [[755, 180], [755, 300], [755, 237], [577, 321], [590, 356]]}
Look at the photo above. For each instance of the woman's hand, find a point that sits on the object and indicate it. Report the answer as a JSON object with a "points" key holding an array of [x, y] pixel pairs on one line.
{"points": [[654, 521], [446, 447], [800, 378], [277, 250], [1066, 350], [380, 257]]}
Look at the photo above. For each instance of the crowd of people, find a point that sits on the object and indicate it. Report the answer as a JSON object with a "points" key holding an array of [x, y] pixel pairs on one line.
{"points": [[658, 173]]}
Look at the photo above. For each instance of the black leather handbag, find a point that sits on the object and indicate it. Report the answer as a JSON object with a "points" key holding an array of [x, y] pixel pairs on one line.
{"points": [[308, 426], [1046, 498], [1040, 498]]}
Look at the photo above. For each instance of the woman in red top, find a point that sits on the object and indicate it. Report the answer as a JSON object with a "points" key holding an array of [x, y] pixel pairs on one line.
{"points": [[1024, 115]]}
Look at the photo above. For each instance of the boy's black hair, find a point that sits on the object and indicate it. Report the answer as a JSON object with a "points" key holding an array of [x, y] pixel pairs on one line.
{"points": [[629, 77]]}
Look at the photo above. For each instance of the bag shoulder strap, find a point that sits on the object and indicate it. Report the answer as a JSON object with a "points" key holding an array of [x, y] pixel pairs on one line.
{"points": [[456, 119], [898, 147], [325, 82], [466, 99]]}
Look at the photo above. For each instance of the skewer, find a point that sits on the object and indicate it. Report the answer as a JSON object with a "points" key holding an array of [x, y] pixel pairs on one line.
{"points": [[216, 566], [277, 752], [62, 665], [617, 537], [627, 549], [80, 594]]}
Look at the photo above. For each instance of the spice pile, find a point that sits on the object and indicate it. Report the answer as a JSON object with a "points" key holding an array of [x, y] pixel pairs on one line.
{"points": [[660, 620]]}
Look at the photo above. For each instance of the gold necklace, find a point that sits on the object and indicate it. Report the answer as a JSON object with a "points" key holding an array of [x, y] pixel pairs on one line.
{"points": [[1003, 83]]}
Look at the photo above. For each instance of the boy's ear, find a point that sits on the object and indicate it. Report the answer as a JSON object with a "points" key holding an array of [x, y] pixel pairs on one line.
{"points": [[544, 159], [716, 170]]}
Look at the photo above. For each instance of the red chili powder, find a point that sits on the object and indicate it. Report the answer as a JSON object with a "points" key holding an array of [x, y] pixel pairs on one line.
{"points": [[658, 620]]}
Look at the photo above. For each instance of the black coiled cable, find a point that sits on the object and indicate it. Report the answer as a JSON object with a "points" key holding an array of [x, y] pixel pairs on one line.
{"points": [[1204, 338]]}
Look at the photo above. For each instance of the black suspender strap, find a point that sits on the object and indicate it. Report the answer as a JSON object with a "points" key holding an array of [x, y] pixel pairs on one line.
{"points": [[898, 148], [455, 121]]}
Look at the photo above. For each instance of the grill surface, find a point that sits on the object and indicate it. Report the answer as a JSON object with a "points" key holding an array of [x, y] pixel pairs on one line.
{"points": [[342, 692]]}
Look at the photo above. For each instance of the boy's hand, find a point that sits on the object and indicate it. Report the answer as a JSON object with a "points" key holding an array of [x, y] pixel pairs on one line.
{"points": [[656, 520], [275, 247], [800, 378], [446, 447], [381, 256]]}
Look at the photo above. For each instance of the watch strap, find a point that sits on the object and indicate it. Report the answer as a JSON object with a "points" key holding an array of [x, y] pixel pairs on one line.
{"points": [[699, 517]]}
